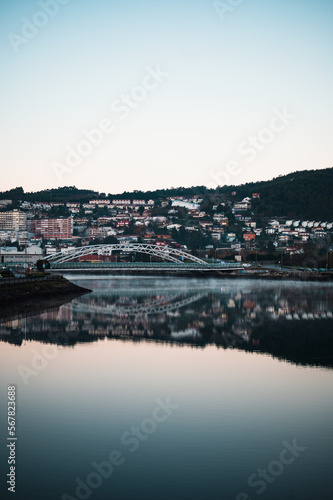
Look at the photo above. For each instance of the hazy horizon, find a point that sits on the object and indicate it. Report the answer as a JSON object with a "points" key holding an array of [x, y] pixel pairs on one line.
{"points": [[147, 190]]}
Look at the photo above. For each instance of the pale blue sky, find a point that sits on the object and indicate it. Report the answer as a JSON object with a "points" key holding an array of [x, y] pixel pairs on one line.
{"points": [[225, 79]]}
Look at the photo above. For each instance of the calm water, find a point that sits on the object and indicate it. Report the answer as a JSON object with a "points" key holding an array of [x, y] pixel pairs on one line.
{"points": [[173, 389]]}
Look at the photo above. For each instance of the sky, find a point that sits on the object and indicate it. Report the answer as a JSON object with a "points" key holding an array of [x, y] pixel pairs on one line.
{"points": [[146, 94]]}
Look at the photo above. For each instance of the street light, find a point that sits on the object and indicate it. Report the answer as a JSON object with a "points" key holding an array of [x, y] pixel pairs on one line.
{"points": [[329, 250]]}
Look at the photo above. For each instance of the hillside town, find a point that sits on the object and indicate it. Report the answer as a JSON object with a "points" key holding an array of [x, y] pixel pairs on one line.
{"points": [[219, 227]]}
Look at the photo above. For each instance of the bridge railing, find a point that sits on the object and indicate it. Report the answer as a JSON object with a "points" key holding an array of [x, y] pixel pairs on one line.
{"points": [[147, 265]]}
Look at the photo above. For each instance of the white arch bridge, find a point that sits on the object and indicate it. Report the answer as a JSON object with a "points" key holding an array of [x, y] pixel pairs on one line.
{"points": [[170, 258]]}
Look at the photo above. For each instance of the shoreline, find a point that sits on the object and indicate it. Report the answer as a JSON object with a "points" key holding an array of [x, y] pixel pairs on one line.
{"points": [[21, 294]]}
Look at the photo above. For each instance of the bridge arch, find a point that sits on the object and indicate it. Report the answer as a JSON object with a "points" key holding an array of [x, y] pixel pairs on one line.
{"points": [[164, 252]]}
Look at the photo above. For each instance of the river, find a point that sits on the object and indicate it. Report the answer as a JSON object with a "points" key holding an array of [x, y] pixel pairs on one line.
{"points": [[166, 388]]}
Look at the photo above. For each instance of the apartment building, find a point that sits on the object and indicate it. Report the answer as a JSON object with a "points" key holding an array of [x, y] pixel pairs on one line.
{"points": [[15, 220], [60, 229]]}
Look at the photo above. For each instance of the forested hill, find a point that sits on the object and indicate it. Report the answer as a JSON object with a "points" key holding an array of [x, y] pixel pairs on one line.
{"points": [[62, 195], [301, 195]]}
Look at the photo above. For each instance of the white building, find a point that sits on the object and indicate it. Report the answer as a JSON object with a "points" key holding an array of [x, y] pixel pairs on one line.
{"points": [[11, 256], [185, 204]]}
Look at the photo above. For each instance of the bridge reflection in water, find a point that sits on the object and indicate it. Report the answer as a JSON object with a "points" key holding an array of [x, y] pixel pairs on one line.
{"points": [[293, 321]]}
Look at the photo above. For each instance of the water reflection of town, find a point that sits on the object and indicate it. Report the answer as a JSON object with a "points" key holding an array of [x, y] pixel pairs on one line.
{"points": [[251, 316]]}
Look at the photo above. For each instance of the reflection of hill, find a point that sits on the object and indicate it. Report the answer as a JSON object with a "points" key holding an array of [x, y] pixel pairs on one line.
{"points": [[17, 336], [301, 342], [287, 321]]}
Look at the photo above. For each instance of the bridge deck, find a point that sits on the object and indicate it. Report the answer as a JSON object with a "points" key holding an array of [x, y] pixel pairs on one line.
{"points": [[153, 266]]}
